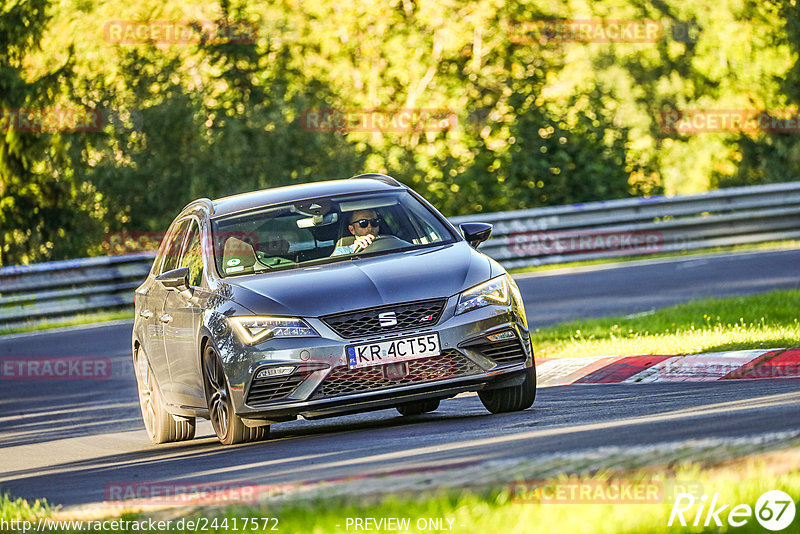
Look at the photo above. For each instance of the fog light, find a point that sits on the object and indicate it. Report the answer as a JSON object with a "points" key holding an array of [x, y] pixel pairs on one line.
{"points": [[501, 336], [275, 371]]}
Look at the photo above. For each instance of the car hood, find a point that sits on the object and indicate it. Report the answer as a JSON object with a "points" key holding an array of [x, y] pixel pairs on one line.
{"points": [[362, 283]]}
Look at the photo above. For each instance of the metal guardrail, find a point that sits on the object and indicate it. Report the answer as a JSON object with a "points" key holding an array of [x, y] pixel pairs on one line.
{"points": [[57, 289], [642, 226], [635, 226]]}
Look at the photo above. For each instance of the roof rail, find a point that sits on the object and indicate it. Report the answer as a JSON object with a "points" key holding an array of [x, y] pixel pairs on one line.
{"points": [[377, 176]]}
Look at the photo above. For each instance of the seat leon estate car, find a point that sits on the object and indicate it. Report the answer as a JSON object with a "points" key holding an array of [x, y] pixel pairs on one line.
{"points": [[323, 299]]}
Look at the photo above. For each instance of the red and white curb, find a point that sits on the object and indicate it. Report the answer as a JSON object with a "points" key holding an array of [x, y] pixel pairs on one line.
{"points": [[753, 364]]}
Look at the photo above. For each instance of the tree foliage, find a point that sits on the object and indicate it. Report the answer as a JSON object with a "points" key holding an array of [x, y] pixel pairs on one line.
{"points": [[44, 211], [537, 121]]}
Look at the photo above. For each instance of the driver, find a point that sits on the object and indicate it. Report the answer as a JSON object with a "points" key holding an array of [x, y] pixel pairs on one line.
{"points": [[365, 226]]}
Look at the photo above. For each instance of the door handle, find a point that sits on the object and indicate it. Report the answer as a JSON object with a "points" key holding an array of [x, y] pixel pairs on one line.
{"points": [[166, 318], [145, 314]]}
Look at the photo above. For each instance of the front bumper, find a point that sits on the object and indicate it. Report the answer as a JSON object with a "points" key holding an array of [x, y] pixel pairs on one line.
{"points": [[388, 398], [323, 386]]}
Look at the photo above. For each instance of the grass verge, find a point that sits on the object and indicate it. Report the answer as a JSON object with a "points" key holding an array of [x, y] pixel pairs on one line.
{"points": [[520, 509], [11, 509], [596, 503], [769, 320]]}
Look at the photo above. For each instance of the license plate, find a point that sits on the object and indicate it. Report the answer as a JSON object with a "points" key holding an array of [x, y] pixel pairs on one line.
{"points": [[394, 350]]}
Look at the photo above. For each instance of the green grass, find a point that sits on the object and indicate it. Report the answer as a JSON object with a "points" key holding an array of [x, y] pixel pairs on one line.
{"points": [[501, 510], [769, 320], [750, 247], [22, 509], [81, 319]]}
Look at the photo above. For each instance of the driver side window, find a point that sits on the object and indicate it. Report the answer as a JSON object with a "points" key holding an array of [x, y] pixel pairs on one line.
{"points": [[173, 248]]}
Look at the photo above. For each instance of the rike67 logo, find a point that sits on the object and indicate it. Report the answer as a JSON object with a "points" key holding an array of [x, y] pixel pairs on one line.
{"points": [[774, 510]]}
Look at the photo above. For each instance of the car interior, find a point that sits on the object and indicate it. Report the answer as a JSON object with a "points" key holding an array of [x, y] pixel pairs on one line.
{"points": [[308, 231]]}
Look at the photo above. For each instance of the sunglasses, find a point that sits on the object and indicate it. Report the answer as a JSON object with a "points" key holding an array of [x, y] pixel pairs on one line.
{"points": [[363, 223]]}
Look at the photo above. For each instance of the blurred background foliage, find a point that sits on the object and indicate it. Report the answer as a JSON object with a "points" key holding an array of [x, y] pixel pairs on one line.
{"points": [[538, 122]]}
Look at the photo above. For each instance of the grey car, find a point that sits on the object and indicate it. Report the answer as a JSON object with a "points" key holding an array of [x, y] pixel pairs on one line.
{"points": [[266, 306]]}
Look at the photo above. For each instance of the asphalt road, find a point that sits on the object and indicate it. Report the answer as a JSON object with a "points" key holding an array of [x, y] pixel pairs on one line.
{"points": [[68, 440]]}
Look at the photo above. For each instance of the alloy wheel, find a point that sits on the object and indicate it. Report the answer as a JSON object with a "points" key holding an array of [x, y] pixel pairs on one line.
{"points": [[217, 392]]}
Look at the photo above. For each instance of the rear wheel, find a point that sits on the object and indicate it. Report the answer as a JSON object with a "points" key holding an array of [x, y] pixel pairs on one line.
{"points": [[228, 426], [161, 426], [511, 399], [418, 407]]}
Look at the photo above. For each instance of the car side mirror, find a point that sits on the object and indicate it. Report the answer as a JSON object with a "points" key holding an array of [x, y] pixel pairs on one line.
{"points": [[476, 233], [177, 279]]}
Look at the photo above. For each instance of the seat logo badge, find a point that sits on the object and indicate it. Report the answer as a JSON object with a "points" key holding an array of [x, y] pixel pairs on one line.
{"points": [[387, 319]]}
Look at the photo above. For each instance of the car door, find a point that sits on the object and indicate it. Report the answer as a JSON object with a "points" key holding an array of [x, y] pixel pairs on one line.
{"points": [[183, 311], [157, 325]]}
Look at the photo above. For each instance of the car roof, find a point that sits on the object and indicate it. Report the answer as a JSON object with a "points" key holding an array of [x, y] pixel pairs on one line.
{"points": [[292, 193]]}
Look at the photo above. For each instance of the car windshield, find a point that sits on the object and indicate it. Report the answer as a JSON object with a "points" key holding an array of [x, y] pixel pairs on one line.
{"points": [[323, 230]]}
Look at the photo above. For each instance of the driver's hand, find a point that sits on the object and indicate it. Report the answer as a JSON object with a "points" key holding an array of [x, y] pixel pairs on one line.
{"points": [[363, 241]]}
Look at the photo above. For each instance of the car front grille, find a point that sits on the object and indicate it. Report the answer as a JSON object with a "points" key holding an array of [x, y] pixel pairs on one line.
{"points": [[503, 351], [269, 389], [344, 381], [365, 322]]}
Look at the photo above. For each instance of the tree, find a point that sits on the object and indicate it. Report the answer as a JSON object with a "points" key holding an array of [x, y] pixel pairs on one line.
{"points": [[44, 213]]}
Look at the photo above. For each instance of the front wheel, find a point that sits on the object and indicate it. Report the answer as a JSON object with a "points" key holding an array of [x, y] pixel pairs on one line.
{"points": [[161, 426], [511, 399], [228, 426]]}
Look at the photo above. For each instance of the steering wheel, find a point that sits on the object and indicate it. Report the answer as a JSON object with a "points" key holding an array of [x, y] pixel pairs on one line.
{"points": [[383, 242]]}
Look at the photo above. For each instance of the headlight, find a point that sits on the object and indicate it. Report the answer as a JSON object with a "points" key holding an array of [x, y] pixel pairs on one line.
{"points": [[516, 297], [252, 330], [495, 291]]}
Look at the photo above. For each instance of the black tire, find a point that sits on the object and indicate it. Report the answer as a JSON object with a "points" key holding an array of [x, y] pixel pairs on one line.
{"points": [[511, 399], [418, 407], [228, 426], [161, 426]]}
